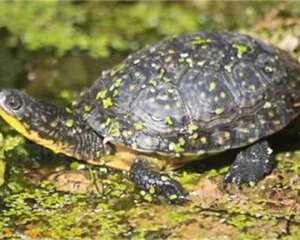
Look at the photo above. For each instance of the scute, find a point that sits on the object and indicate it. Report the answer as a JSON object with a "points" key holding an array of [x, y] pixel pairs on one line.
{"points": [[160, 108], [197, 93], [206, 96]]}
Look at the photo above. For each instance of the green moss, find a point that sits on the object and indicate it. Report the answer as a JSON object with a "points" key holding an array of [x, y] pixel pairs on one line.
{"points": [[240, 221], [101, 94], [114, 129], [168, 120], [107, 102], [2, 171], [166, 79], [106, 123], [180, 60], [87, 108], [116, 84], [115, 93], [139, 126], [117, 69], [12, 142], [177, 147], [296, 163], [153, 82], [161, 73], [200, 41], [192, 128], [240, 49], [127, 133], [70, 123], [173, 197], [75, 165]]}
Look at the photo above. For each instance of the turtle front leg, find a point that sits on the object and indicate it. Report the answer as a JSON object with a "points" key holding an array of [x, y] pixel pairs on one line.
{"points": [[251, 164], [145, 178]]}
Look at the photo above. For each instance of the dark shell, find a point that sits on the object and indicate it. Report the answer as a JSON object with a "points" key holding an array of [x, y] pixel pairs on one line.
{"points": [[197, 93]]}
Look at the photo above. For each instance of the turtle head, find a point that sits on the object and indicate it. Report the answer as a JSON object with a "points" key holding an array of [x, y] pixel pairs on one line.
{"points": [[51, 126], [18, 110]]}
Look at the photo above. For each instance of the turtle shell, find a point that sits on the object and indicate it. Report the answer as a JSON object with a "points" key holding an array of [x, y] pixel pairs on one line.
{"points": [[198, 93]]}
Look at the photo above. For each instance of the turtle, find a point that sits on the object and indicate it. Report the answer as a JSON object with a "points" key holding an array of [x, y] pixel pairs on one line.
{"points": [[182, 99]]}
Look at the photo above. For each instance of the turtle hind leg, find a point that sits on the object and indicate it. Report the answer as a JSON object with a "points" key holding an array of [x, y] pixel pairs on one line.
{"points": [[251, 164], [145, 178]]}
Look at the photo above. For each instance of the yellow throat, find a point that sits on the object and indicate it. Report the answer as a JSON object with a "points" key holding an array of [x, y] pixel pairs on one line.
{"points": [[33, 136]]}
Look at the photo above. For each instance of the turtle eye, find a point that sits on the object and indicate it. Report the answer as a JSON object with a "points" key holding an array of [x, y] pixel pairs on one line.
{"points": [[14, 102]]}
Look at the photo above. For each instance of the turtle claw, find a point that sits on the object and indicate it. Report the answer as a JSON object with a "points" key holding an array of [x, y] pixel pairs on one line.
{"points": [[250, 165], [239, 179], [160, 184]]}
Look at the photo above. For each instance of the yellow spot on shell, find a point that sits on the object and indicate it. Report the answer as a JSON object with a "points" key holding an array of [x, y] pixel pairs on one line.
{"points": [[243, 130], [151, 100], [252, 88], [220, 141], [126, 133], [192, 128], [227, 135], [223, 95], [180, 60], [212, 86], [168, 59], [219, 111], [271, 114], [268, 105], [181, 141], [241, 74], [178, 104], [164, 97], [132, 87], [69, 122], [194, 136], [54, 124], [228, 68], [201, 63], [276, 122], [167, 107], [203, 140], [262, 121]]}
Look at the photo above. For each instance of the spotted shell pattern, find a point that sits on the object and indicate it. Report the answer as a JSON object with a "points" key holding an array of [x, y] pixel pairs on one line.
{"points": [[196, 93]]}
